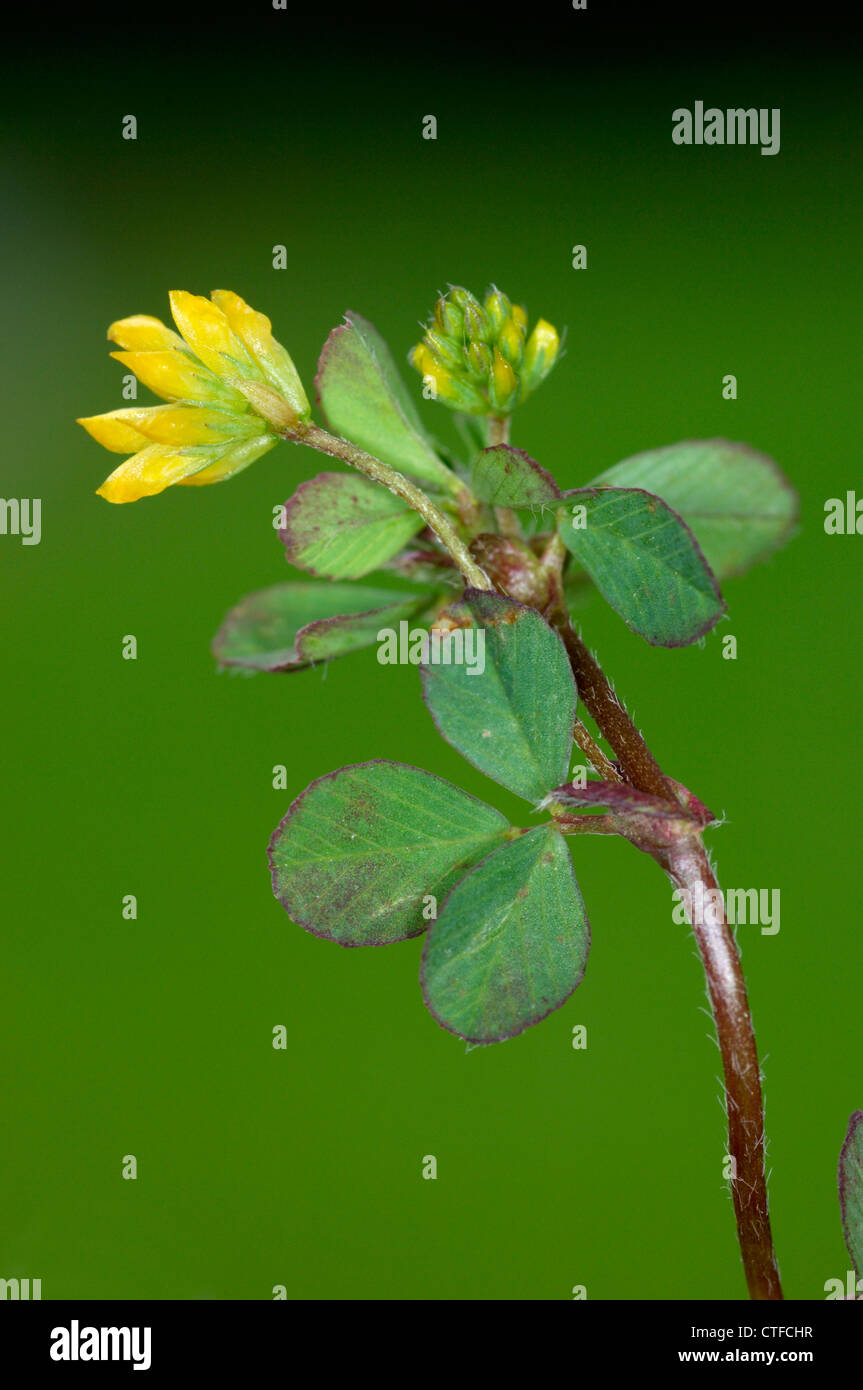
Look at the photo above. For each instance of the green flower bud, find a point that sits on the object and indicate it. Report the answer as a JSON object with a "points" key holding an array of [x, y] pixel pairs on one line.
{"points": [[498, 309], [510, 340], [477, 327], [444, 350], [449, 318], [540, 355], [475, 356], [480, 360], [453, 389], [503, 387], [462, 298]]}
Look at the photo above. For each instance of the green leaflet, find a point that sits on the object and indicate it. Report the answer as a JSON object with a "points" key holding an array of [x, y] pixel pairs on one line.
{"points": [[366, 401], [343, 526], [645, 562], [513, 720], [507, 477], [511, 943], [851, 1190], [290, 626], [361, 848], [737, 501]]}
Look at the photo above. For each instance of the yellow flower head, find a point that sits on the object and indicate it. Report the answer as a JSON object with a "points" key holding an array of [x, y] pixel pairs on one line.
{"points": [[232, 390]]}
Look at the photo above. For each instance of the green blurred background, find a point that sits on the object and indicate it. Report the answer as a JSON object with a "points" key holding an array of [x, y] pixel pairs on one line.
{"points": [[154, 777]]}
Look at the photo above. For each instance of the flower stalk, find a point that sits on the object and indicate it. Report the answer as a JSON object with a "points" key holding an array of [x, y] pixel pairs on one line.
{"points": [[397, 483]]}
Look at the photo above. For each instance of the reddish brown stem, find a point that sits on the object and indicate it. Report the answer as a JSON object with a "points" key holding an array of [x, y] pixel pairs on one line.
{"points": [[594, 689], [689, 869], [686, 862]]}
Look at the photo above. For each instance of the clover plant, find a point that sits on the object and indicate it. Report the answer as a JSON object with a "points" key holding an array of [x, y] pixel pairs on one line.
{"points": [[492, 555]]}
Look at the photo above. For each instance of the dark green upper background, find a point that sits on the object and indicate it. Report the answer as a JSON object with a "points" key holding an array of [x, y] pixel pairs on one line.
{"points": [[303, 1167]]}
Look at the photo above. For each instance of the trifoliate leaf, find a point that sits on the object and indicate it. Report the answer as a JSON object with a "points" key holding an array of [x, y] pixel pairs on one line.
{"points": [[362, 850]]}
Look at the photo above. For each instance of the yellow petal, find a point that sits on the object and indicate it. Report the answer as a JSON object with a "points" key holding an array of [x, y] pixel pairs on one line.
{"points": [[191, 424], [177, 376], [540, 354], [114, 432], [256, 332], [252, 327], [544, 338], [434, 372], [232, 462], [207, 331], [504, 381], [125, 431], [511, 340], [142, 333], [441, 381], [151, 470]]}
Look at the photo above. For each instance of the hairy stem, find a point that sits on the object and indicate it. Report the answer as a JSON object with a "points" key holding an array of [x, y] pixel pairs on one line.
{"points": [[638, 763], [689, 869], [687, 865], [594, 754], [327, 443]]}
